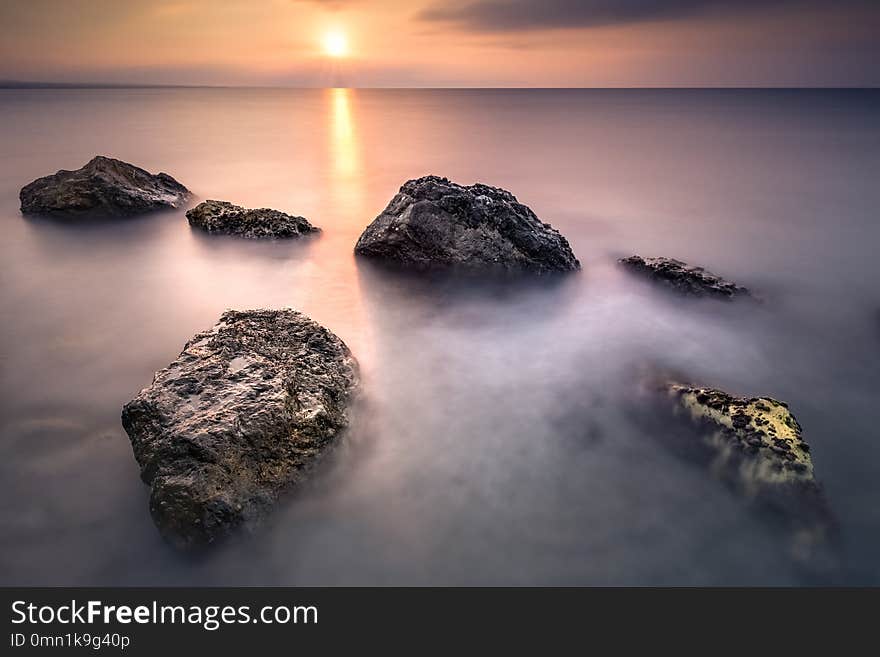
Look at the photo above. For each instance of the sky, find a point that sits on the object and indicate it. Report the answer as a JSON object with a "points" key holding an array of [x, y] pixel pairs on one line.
{"points": [[443, 43]]}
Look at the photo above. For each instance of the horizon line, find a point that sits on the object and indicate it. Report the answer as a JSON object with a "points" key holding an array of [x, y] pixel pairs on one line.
{"points": [[32, 85]]}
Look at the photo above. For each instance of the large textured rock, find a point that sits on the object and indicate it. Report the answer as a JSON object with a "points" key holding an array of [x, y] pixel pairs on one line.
{"points": [[239, 416], [435, 223], [684, 278], [226, 218], [756, 446], [103, 188]]}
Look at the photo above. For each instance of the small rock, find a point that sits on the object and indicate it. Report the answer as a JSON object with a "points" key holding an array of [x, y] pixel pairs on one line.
{"points": [[102, 188], [683, 278], [225, 218]]}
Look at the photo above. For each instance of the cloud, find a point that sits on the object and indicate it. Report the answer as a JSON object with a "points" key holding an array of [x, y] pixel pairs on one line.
{"points": [[523, 15]]}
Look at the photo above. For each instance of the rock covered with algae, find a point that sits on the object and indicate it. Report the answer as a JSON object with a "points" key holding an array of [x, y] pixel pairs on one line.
{"points": [[757, 447]]}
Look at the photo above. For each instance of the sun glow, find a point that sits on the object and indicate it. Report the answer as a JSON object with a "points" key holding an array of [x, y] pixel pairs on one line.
{"points": [[335, 44]]}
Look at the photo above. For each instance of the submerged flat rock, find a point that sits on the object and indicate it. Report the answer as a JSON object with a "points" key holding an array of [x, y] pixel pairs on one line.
{"points": [[228, 219], [435, 223], [684, 278], [237, 419], [756, 445], [102, 188]]}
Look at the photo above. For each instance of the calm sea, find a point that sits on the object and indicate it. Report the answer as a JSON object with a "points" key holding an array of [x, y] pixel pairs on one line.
{"points": [[496, 441]]}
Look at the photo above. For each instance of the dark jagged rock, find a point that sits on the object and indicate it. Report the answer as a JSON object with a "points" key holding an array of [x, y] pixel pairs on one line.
{"points": [[237, 419], [102, 188], [435, 223], [226, 218], [684, 278], [756, 446]]}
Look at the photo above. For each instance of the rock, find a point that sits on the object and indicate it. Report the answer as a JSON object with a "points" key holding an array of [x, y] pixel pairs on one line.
{"points": [[435, 223], [237, 419], [684, 278], [224, 217], [756, 446], [102, 188]]}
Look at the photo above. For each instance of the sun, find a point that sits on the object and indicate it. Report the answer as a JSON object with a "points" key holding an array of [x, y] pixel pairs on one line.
{"points": [[335, 44]]}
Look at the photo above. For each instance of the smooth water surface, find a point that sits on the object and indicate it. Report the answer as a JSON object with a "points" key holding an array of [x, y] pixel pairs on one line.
{"points": [[498, 439]]}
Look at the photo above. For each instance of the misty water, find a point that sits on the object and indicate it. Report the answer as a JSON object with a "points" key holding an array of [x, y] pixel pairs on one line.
{"points": [[498, 438]]}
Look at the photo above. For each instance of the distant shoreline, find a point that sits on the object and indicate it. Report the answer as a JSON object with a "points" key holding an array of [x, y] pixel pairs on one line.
{"points": [[23, 84]]}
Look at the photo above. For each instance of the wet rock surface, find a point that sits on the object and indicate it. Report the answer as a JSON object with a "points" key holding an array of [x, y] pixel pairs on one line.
{"points": [[435, 223], [237, 419], [104, 187], [225, 218], [756, 446], [684, 278]]}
